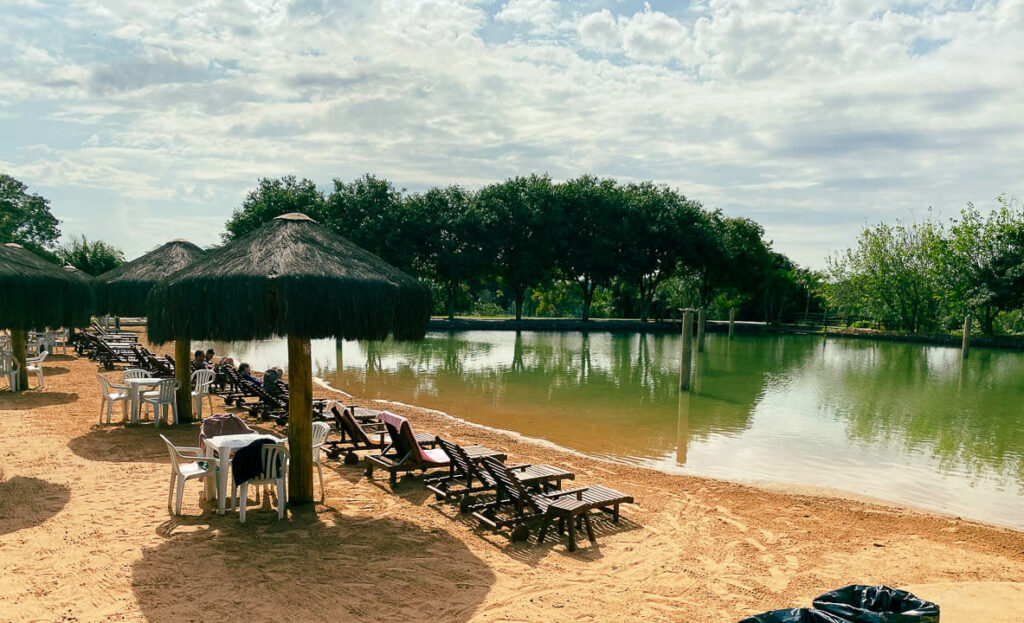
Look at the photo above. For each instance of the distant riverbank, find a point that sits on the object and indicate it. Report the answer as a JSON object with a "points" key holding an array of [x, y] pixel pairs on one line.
{"points": [[1006, 342]]}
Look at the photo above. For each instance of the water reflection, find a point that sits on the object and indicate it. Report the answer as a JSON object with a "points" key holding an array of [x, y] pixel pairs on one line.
{"points": [[898, 421]]}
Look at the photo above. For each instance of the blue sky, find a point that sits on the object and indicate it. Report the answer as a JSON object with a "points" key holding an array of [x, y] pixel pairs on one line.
{"points": [[147, 121]]}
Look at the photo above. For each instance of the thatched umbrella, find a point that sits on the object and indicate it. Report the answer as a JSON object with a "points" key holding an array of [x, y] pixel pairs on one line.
{"points": [[36, 294], [122, 291], [295, 278]]}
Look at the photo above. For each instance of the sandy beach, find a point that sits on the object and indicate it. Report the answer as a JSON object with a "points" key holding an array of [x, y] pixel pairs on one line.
{"points": [[85, 535]]}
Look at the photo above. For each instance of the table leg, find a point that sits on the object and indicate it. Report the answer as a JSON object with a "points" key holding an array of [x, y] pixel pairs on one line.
{"points": [[222, 481]]}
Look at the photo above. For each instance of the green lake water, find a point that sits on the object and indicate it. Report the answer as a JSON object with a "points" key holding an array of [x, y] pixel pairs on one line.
{"points": [[901, 422]]}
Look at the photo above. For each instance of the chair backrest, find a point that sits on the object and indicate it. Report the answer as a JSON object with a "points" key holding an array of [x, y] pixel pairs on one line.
{"points": [[135, 373], [166, 388], [41, 358], [6, 361], [510, 485], [463, 464], [274, 458], [348, 425], [201, 380], [104, 384], [320, 432], [403, 441]]}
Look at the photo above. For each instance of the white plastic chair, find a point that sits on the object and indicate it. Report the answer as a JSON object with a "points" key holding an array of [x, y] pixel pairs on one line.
{"points": [[275, 467], [9, 368], [320, 432], [34, 365], [60, 340], [110, 397], [135, 373], [162, 400], [186, 463], [201, 381]]}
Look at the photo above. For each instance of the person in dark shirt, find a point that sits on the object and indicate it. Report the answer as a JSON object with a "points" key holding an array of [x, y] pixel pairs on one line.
{"points": [[245, 372], [199, 361]]}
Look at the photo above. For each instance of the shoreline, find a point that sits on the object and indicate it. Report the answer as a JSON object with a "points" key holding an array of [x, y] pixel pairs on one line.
{"points": [[775, 486]]}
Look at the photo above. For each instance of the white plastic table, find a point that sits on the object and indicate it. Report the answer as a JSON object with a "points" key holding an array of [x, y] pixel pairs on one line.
{"points": [[223, 447], [136, 385]]}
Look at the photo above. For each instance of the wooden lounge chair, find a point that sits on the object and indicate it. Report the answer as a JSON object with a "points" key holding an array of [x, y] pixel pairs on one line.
{"points": [[569, 507], [406, 455], [470, 478], [357, 434]]}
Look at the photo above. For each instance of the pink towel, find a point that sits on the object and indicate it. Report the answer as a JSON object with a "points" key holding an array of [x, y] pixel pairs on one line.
{"points": [[436, 456]]}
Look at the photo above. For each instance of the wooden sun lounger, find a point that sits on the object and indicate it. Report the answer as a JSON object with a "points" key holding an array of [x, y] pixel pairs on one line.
{"points": [[470, 478], [569, 507], [357, 434], [406, 455]]}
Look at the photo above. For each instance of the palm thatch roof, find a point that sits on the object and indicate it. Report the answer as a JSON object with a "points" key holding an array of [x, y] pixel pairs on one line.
{"points": [[35, 294], [289, 277], [123, 290]]}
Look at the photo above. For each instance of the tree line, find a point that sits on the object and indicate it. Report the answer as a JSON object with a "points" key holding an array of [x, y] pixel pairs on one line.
{"points": [[927, 276], [589, 245]]}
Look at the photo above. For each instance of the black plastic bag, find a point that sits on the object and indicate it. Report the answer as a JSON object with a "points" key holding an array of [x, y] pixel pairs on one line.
{"points": [[794, 615], [877, 604]]}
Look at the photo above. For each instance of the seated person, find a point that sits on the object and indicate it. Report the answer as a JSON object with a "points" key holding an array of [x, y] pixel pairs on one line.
{"points": [[210, 359], [199, 361], [245, 371]]}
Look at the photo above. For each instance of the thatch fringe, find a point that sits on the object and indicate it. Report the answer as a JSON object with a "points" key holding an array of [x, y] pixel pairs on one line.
{"points": [[35, 294], [123, 290], [290, 277]]}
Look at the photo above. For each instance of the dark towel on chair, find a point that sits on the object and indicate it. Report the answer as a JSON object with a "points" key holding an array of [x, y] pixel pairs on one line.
{"points": [[248, 461]]}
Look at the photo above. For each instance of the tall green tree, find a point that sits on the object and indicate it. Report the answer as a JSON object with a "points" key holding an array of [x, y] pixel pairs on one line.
{"points": [[93, 258], [272, 198], [731, 254], [371, 212], [452, 246], [890, 275], [664, 230], [981, 262], [593, 241], [525, 225], [25, 218]]}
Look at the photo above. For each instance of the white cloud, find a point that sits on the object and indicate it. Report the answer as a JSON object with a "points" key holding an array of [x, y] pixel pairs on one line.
{"points": [[540, 15], [805, 117]]}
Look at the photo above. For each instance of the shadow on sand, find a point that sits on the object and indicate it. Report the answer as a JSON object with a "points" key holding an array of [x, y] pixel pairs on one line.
{"points": [[312, 567], [33, 399], [27, 502], [139, 443]]}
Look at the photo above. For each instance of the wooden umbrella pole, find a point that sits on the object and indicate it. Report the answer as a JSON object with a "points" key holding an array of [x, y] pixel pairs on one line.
{"points": [[18, 351], [300, 421], [183, 374]]}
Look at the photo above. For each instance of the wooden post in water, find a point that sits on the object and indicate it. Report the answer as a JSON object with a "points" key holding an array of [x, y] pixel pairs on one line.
{"points": [[338, 354], [965, 348], [18, 353], [686, 351], [732, 321], [702, 317], [183, 374], [300, 421]]}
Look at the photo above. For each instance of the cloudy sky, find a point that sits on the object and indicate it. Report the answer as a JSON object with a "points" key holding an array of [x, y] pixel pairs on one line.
{"points": [[145, 121]]}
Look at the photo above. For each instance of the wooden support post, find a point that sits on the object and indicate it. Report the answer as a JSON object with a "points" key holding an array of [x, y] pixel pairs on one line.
{"points": [[965, 348], [702, 318], [300, 421], [183, 375], [338, 354], [686, 351], [117, 324], [683, 428], [732, 321], [18, 351]]}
